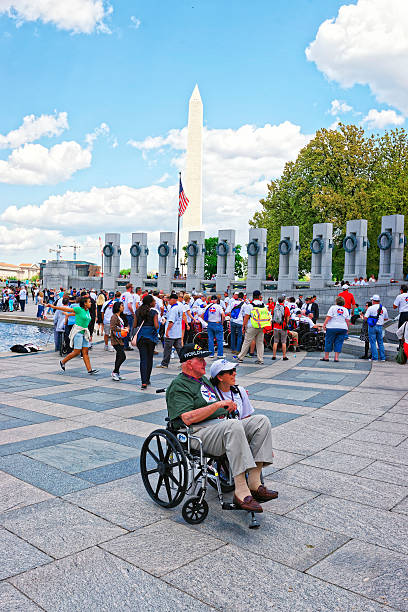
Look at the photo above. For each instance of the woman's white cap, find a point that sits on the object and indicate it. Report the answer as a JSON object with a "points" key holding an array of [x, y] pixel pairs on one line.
{"points": [[221, 365]]}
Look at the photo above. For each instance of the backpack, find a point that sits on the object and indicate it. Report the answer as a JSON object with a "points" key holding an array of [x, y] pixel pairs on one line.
{"points": [[278, 314], [372, 321], [260, 317], [236, 310], [206, 313]]}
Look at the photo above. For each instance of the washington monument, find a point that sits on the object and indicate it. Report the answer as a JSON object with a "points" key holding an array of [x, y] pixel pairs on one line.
{"points": [[192, 218]]}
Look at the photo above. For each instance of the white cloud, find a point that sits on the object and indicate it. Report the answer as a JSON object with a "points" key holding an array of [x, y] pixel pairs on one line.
{"points": [[33, 164], [33, 128], [339, 107], [237, 166], [77, 16], [135, 22], [101, 130], [380, 119], [25, 239], [367, 44]]}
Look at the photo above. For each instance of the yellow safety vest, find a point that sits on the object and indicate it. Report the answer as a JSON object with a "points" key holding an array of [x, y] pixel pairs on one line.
{"points": [[260, 317]]}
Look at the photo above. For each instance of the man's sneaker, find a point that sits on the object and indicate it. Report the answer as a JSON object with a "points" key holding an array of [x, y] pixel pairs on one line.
{"points": [[259, 362], [250, 356], [122, 377], [213, 356], [285, 358], [115, 376], [162, 366], [62, 365], [106, 347], [273, 358], [94, 371], [111, 349]]}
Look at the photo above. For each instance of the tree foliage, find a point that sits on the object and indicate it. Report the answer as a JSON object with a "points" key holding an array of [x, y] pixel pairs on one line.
{"points": [[210, 259], [340, 175]]}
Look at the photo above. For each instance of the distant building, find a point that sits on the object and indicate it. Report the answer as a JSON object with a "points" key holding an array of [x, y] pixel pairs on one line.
{"points": [[71, 273], [24, 271]]}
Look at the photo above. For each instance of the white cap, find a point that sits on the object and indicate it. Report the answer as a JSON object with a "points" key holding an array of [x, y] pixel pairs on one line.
{"points": [[345, 286], [221, 365], [375, 298]]}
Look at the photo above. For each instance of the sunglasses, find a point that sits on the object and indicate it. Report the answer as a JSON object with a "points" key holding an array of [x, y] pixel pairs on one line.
{"points": [[233, 371]]}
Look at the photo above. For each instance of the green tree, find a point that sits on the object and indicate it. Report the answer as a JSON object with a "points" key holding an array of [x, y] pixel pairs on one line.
{"points": [[210, 259], [339, 175], [125, 272]]}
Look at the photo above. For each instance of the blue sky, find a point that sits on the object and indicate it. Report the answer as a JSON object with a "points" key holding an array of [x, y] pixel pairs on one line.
{"points": [[132, 71]]}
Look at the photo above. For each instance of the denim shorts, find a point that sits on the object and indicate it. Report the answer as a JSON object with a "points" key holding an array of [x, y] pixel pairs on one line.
{"points": [[80, 341], [334, 339]]}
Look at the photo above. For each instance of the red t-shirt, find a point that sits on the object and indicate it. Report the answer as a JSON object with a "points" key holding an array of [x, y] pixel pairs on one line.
{"points": [[349, 300], [286, 316]]}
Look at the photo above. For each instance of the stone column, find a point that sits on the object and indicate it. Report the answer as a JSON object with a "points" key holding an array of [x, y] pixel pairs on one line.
{"points": [[167, 260], [355, 246], [321, 247], [288, 257], [391, 243], [195, 260], [111, 261], [138, 259], [225, 260], [256, 250]]}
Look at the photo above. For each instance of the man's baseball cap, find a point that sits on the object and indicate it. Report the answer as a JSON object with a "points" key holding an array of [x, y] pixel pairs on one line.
{"points": [[221, 365], [345, 287], [173, 296], [375, 298], [111, 294], [190, 351]]}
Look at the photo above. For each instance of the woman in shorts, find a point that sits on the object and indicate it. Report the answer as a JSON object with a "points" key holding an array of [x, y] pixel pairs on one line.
{"points": [[79, 336]]}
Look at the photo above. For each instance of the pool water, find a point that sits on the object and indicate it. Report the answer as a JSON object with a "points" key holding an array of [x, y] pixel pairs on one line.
{"points": [[15, 333]]}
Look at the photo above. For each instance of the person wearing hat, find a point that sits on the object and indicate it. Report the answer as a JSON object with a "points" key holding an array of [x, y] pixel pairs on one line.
{"points": [[107, 311], [173, 330], [222, 377], [256, 317], [193, 401], [349, 301], [375, 316], [215, 320]]}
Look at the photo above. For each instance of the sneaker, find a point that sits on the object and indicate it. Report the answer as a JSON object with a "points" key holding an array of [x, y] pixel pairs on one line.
{"points": [[106, 347], [115, 376], [62, 365], [162, 366], [382, 359], [259, 362], [111, 349], [122, 377], [285, 358], [250, 356], [273, 358], [94, 371], [212, 357]]}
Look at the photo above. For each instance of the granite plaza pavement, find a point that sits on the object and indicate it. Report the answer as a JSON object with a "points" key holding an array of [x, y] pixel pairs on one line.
{"points": [[79, 533]]}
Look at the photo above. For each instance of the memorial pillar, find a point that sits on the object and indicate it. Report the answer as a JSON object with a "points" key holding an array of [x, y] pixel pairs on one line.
{"points": [[225, 260], [322, 248], [288, 257], [167, 260], [138, 259], [256, 250], [355, 246], [391, 243], [195, 260], [111, 261]]}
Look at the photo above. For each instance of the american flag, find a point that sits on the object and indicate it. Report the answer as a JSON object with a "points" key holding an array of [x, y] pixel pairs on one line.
{"points": [[183, 200]]}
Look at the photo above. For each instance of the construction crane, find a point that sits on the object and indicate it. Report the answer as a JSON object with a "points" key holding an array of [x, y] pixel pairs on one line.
{"points": [[76, 248], [57, 251]]}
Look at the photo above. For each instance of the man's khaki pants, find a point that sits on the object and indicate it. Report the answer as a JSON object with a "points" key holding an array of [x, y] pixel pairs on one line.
{"points": [[253, 334], [244, 442]]}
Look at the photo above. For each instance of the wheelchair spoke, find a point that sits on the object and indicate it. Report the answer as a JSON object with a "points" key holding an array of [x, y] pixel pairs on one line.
{"points": [[153, 455], [160, 448], [167, 484], [155, 471], [174, 479], [159, 484]]}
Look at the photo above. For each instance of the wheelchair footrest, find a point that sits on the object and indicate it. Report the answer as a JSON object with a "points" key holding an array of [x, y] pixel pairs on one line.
{"points": [[229, 506]]}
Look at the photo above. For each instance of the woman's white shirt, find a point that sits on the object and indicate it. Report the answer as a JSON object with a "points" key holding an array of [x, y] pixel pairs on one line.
{"points": [[339, 316], [244, 406]]}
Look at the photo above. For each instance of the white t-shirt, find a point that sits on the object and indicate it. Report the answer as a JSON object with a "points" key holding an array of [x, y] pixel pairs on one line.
{"points": [[244, 406], [136, 301], [339, 316], [199, 305], [372, 312], [107, 311], [247, 309], [23, 294], [215, 313], [186, 309], [233, 302], [93, 295], [401, 302], [127, 298], [158, 306], [175, 316], [304, 319]]}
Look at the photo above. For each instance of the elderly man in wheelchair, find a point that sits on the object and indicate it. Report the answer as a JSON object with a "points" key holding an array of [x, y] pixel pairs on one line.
{"points": [[204, 443]]}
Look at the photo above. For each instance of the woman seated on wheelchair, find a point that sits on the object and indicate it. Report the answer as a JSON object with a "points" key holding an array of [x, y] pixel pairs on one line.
{"points": [[193, 401], [223, 375]]}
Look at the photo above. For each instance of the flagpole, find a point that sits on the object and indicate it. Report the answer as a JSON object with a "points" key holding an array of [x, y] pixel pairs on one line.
{"points": [[177, 270]]}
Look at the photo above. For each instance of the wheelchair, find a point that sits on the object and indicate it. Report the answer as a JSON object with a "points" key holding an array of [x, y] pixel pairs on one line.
{"points": [[171, 469]]}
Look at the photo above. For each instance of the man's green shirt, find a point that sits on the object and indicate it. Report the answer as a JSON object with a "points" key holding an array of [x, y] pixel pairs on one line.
{"points": [[186, 394]]}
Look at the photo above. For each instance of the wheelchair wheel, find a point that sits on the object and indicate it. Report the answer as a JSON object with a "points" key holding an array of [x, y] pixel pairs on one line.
{"points": [[221, 465], [310, 341], [164, 469], [194, 511]]}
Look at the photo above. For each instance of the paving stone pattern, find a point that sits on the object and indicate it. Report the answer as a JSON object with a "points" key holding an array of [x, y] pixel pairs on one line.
{"points": [[81, 533]]}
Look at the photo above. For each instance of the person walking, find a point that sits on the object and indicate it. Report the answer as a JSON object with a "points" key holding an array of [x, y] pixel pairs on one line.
{"points": [[40, 306], [118, 331], [336, 325], [173, 330], [79, 336], [256, 317], [235, 310], [280, 317], [214, 317], [376, 315], [364, 333], [23, 298], [401, 302], [128, 300], [100, 300], [147, 322]]}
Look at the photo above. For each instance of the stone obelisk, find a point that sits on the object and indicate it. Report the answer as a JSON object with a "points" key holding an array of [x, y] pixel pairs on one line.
{"points": [[192, 180]]}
